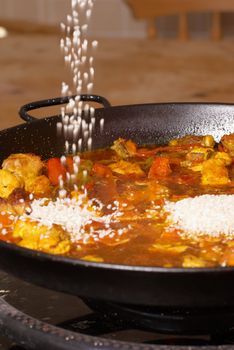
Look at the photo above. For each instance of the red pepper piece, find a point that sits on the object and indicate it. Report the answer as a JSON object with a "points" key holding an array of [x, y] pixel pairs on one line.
{"points": [[101, 170], [145, 152], [159, 168], [69, 165], [5, 219], [55, 170]]}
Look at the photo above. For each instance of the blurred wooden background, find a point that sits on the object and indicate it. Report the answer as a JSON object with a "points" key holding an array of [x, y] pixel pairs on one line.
{"points": [[129, 68], [114, 18], [150, 10]]}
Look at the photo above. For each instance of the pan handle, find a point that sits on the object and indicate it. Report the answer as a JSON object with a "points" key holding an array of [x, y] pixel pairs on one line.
{"points": [[58, 101]]}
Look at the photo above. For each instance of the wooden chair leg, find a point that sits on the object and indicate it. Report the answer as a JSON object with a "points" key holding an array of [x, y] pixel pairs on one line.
{"points": [[216, 31], [183, 27], [151, 29]]}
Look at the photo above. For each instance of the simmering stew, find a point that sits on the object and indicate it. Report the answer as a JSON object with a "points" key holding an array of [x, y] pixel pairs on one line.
{"points": [[167, 206]]}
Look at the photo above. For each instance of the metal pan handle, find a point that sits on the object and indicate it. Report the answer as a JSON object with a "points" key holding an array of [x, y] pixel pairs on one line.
{"points": [[58, 101]]}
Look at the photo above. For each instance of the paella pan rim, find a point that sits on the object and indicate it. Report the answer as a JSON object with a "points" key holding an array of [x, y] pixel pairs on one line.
{"points": [[46, 257], [138, 105]]}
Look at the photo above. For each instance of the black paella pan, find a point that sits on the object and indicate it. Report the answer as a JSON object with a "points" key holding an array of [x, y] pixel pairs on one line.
{"points": [[162, 287]]}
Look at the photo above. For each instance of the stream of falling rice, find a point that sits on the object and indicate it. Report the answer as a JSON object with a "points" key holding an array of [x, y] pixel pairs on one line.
{"points": [[78, 117]]}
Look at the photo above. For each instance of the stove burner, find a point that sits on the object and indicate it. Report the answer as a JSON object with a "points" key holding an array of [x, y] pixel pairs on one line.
{"points": [[168, 320], [108, 327]]}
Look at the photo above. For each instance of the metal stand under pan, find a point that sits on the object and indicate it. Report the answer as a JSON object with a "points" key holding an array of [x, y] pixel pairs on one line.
{"points": [[108, 326], [169, 320]]}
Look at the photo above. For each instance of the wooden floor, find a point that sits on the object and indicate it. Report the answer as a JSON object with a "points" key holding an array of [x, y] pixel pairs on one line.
{"points": [[127, 71]]}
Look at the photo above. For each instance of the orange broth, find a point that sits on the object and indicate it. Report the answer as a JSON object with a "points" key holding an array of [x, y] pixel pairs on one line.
{"points": [[137, 181]]}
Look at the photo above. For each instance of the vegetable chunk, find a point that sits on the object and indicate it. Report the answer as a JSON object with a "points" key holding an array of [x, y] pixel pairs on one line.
{"points": [[124, 148], [55, 170], [207, 141]]}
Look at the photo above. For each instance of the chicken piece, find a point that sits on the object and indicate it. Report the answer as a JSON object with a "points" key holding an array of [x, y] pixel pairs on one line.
{"points": [[124, 148], [34, 236], [228, 143], [93, 258], [23, 165], [8, 183], [126, 168], [196, 157], [214, 172], [206, 141], [211, 255], [45, 245], [225, 157], [197, 167], [39, 185], [168, 248], [193, 261]]}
